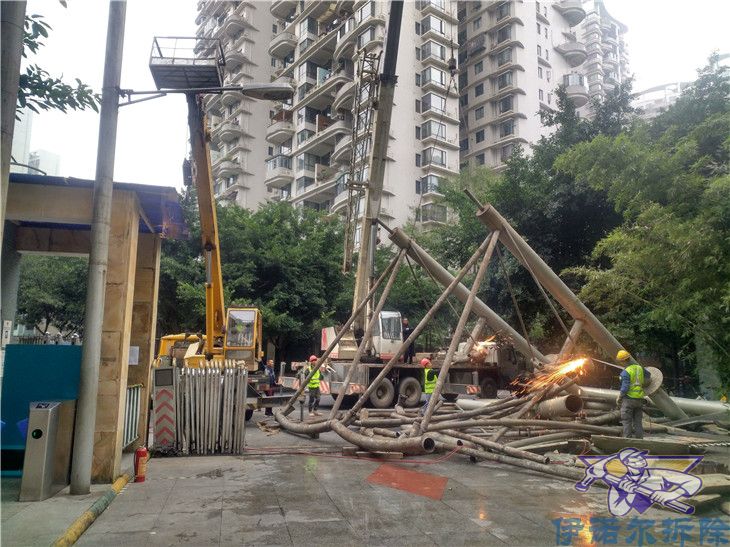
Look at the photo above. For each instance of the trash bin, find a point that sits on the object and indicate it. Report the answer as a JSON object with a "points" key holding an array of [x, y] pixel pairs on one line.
{"points": [[49, 439]]}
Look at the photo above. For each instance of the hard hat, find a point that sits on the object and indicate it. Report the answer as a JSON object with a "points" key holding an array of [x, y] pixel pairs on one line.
{"points": [[630, 453], [425, 362], [312, 358], [623, 355]]}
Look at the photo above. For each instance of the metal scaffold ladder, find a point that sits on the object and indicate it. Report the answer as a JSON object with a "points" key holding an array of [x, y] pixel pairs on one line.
{"points": [[366, 101]]}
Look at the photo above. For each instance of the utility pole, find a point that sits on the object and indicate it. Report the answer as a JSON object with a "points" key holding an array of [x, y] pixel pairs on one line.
{"points": [[83, 449]]}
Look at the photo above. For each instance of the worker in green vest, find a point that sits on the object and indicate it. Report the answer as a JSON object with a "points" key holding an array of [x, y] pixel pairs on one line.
{"points": [[430, 377], [313, 385], [631, 396]]}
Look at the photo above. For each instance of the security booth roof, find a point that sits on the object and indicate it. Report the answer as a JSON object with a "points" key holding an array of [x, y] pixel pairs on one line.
{"points": [[161, 210]]}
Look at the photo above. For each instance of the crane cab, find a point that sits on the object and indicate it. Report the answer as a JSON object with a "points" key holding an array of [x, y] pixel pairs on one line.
{"points": [[243, 335]]}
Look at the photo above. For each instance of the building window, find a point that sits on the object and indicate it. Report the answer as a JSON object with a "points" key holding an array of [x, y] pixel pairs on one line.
{"points": [[464, 145], [463, 80], [539, 50], [418, 79], [504, 34], [546, 32], [273, 62], [540, 95], [368, 10], [308, 26], [504, 56], [479, 113], [431, 212], [464, 100], [478, 67], [461, 37], [418, 28], [434, 156], [431, 101], [506, 152], [477, 23], [306, 162], [433, 75], [304, 135], [505, 104], [479, 137], [427, 184], [504, 80], [432, 23], [418, 132], [539, 72], [432, 49], [418, 106], [479, 90], [539, 29], [506, 128], [274, 29], [480, 159], [365, 37], [418, 54], [550, 97], [418, 160], [303, 183], [502, 11], [548, 72], [547, 54], [433, 129]]}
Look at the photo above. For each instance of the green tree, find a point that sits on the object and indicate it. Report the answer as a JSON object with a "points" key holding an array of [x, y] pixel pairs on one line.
{"points": [[38, 90], [52, 292], [662, 278]]}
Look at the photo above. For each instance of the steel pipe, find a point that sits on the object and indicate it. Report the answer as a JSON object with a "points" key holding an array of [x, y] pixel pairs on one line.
{"points": [[546, 277], [549, 437], [442, 275], [567, 405], [696, 407], [508, 422], [497, 447], [407, 445]]}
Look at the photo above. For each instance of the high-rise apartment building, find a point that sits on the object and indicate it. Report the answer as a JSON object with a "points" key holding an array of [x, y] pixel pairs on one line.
{"points": [[237, 123], [513, 56], [319, 45]]}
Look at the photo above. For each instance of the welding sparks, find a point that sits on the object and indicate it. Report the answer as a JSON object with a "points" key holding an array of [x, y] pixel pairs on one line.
{"points": [[550, 378]]}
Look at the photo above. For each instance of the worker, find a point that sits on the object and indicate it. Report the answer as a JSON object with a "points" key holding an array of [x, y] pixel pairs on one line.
{"points": [[271, 377], [411, 351], [429, 382], [631, 396], [314, 392]]}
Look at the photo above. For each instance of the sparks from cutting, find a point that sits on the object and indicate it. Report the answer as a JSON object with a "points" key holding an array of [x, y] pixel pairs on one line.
{"points": [[550, 378]]}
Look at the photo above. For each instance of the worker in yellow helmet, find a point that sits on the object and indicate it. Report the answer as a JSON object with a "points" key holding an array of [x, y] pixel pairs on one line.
{"points": [[430, 378], [631, 395]]}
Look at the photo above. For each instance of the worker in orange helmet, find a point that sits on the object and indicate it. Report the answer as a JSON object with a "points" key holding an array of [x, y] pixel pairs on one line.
{"points": [[313, 385], [429, 382]]}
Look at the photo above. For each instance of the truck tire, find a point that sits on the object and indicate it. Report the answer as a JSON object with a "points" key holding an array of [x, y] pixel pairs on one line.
{"points": [[249, 413], [489, 388], [409, 390], [348, 401], [383, 395]]}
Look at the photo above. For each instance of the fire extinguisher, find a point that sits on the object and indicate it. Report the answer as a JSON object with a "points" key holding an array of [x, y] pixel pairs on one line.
{"points": [[140, 464]]}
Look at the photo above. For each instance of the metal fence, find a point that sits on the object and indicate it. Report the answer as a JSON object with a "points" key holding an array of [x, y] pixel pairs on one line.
{"points": [[132, 409]]}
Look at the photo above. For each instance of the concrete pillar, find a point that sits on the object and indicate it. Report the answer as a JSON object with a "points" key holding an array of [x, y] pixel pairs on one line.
{"points": [[144, 322], [116, 337], [9, 283]]}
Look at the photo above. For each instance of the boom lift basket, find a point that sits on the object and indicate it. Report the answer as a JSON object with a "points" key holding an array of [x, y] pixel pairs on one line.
{"points": [[187, 62]]}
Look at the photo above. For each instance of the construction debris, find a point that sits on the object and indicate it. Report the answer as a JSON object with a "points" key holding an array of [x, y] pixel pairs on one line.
{"points": [[548, 415]]}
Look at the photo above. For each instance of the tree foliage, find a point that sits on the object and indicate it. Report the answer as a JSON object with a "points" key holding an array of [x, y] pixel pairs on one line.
{"points": [[52, 292], [38, 90], [662, 278]]}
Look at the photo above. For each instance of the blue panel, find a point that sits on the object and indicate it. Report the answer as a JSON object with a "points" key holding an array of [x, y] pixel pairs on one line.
{"points": [[34, 373]]}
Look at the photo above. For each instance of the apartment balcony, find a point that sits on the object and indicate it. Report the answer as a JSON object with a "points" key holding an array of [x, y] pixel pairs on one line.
{"points": [[323, 189], [282, 8], [439, 8], [322, 94], [323, 140], [230, 130], [439, 141], [342, 152], [575, 53], [575, 88], [339, 202], [280, 131], [229, 168], [611, 61], [449, 115], [282, 45], [235, 58], [279, 172], [230, 97], [321, 51], [572, 10], [345, 96], [235, 23]]}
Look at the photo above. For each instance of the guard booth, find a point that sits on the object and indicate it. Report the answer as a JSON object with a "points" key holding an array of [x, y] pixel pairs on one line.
{"points": [[52, 216]]}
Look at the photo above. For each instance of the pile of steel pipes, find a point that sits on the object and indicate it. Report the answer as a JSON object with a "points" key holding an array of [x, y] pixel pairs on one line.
{"points": [[211, 409]]}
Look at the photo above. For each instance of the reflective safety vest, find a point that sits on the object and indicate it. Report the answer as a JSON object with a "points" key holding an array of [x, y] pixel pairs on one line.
{"points": [[314, 381], [636, 382], [429, 380]]}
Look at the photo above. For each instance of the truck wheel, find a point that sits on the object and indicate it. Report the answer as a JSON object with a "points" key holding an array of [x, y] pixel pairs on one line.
{"points": [[348, 401], [489, 388], [450, 397], [383, 395], [409, 390], [249, 413]]}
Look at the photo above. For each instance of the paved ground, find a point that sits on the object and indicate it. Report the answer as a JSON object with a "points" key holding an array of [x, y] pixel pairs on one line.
{"points": [[316, 499]]}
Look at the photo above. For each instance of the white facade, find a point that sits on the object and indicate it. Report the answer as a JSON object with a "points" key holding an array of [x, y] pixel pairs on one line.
{"points": [[21, 141], [237, 123], [45, 161], [319, 46]]}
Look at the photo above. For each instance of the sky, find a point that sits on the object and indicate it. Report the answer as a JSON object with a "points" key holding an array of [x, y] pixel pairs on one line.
{"points": [[667, 40]]}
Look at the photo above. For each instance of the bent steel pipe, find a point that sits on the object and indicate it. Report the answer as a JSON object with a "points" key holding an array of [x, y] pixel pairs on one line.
{"points": [[408, 445]]}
